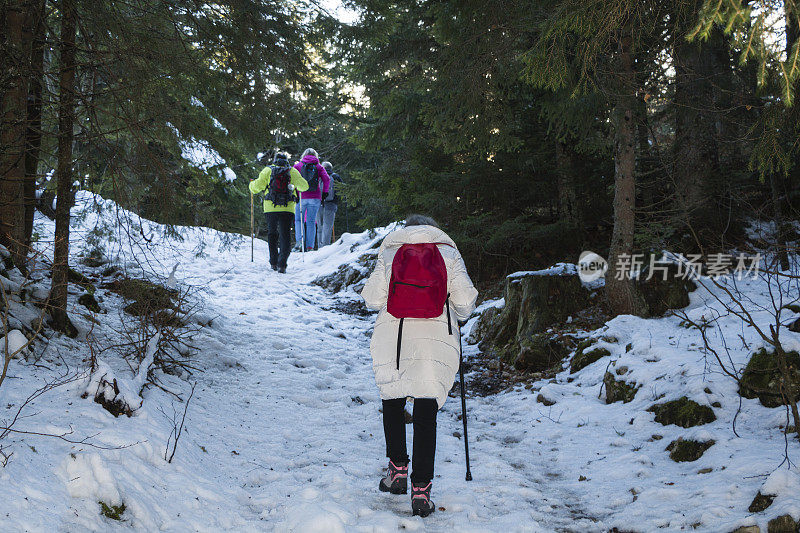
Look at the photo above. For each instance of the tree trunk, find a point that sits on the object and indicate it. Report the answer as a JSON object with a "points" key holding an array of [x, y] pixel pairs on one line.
{"points": [[16, 54], [33, 134], [780, 226], [568, 208], [66, 120], [621, 292], [696, 158], [646, 163]]}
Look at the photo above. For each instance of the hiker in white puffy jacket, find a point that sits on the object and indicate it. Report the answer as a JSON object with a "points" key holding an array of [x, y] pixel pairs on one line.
{"points": [[416, 357]]}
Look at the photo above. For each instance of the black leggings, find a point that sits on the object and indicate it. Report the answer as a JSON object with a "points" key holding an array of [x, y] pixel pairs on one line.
{"points": [[394, 428], [278, 239]]}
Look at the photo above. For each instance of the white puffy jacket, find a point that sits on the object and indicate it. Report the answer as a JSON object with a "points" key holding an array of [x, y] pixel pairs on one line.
{"points": [[429, 354]]}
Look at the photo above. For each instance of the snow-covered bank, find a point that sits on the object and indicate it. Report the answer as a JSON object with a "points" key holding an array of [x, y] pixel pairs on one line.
{"points": [[283, 432]]}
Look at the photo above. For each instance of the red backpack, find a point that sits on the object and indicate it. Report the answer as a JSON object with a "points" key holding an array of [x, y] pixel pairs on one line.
{"points": [[418, 286]]}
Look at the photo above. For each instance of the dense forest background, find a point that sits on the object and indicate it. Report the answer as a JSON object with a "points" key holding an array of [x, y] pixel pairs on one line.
{"points": [[531, 130]]}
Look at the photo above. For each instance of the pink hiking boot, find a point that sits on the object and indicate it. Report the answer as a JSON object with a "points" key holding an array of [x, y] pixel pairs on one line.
{"points": [[396, 481], [421, 503]]}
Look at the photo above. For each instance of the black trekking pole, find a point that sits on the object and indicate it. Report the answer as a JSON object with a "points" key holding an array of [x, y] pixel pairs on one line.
{"points": [[463, 400]]}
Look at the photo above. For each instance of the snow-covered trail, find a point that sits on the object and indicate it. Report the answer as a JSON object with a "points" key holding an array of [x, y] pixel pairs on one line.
{"points": [[284, 431], [301, 435]]}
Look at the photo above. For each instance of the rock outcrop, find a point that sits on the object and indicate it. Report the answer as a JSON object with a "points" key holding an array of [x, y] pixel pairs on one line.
{"points": [[349, 275], [666, 289], [762, 378], [534, 301]]}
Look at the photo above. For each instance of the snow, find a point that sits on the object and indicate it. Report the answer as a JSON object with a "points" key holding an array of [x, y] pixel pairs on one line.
{"points": [[284, 432], [172, 282], [782, 482], [198, 152], [230, 175], [16, 340], [559, 269], [198, 103], [466, 331]]}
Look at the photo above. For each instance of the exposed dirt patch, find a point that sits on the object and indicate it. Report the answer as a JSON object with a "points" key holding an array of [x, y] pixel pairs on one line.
{"points": [[351, 307], [486, 375]]}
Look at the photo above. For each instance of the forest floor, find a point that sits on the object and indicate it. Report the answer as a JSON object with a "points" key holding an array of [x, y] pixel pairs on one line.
{"points": [[283, 431]]}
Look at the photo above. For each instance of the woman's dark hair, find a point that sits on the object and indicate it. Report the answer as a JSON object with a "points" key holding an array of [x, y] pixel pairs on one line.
{"points": [[420, 220]]}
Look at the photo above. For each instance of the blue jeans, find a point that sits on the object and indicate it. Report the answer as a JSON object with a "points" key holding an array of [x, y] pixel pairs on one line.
{"points": [[325, 218], [306, 209]]}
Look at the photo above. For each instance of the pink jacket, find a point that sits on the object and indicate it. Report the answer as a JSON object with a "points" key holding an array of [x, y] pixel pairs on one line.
{"points": [[325, 180]]}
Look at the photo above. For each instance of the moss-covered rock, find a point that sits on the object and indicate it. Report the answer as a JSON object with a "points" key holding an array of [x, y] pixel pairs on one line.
{"points": [[348, 274], [534, 301], [783, 524], [794, 307], [663, 292], [584, 356], [541, 398], [682, 412], [683, 451], [747, 529], [760, 503], [67, 329], [542, 352], [618, 390], [537, 300], [89, 302], [484, 325], [762, 378], [73, 276]]}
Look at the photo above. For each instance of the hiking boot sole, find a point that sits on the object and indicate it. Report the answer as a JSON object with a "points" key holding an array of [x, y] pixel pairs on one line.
{"points": [[393, 490], [423, 512]]}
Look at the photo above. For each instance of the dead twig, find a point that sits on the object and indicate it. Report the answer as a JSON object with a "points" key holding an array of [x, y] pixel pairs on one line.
{"points": [[177, 428]]}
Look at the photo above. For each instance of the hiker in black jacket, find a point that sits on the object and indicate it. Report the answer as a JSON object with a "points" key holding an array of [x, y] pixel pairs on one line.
{"points": [[327, 213]]}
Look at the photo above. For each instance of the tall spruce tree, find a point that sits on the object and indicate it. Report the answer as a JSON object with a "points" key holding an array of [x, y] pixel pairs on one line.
{"points": [[64, 174], [15, 54], [601, 46]]}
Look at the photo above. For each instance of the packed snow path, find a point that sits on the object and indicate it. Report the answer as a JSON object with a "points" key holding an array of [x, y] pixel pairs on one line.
{"points": [[292, 424]]}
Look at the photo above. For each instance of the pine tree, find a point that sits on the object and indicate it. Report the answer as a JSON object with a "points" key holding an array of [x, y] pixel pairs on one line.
{"points": [[66, 123], [586, 47], [696, 153], [15, 51]]}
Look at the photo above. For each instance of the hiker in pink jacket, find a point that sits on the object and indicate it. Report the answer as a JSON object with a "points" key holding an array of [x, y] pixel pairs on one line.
{"points": [[306, 212]]}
